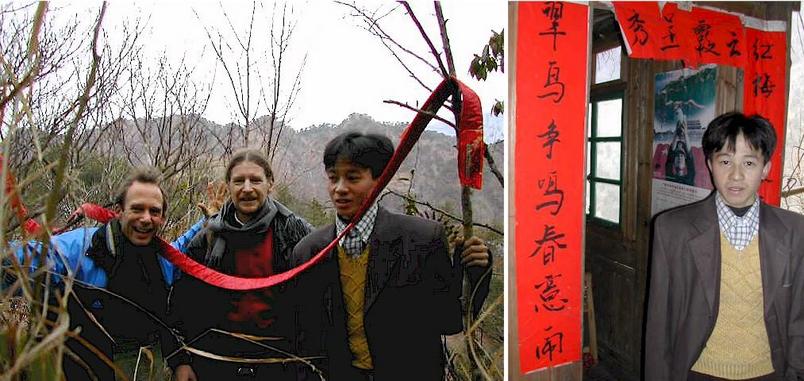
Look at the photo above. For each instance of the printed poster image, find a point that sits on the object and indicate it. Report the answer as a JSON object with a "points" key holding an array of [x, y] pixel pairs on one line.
{"points": [[684, 104]]}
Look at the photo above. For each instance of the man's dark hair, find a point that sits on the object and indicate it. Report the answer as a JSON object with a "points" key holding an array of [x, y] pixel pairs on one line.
{"points": [[723, 131], [372, 151], [253, 156], [145, 175]]}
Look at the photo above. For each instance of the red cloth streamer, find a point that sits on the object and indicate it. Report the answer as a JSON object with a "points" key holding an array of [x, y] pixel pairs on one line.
{"points": [[471, 147], [407, 141], [471, 119], [29, 225], [95, 212]]}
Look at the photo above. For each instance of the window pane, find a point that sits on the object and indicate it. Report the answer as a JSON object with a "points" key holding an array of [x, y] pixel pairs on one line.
{"points": [[609, 118], [589, 121], [587, 197], [607, 202], [607, 65], [607, 162]]}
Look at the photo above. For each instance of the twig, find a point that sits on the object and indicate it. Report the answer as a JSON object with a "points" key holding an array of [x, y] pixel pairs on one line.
{"points": [[793, 192], [373, 27], [445, 213], [444, 37], [409, 107], [493, 168], [433, 50]]}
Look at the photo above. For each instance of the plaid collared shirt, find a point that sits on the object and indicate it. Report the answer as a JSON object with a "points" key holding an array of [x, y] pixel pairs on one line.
{"points": [[356, 240], [738, 230]]}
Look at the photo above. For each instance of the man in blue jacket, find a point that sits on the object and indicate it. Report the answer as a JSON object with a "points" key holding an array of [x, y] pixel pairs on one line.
{"points": [[122, 282]]}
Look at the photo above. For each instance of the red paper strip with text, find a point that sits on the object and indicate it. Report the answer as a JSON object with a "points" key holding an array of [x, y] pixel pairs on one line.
{"points": [[641, 26], [551, 77], [676, 36], [718, 37], [764, 93]]}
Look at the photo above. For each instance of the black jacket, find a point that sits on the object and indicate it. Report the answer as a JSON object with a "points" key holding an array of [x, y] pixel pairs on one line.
{"points": [[133, 306], [412, 298], [199, 307]]}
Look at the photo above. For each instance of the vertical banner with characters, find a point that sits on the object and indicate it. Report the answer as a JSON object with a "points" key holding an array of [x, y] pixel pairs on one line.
{"points": [[552, 68], [764, 94], [684, 104]]}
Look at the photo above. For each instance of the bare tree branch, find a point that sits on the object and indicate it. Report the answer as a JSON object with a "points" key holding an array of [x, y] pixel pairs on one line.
{"points": [[433, 50], [493, 168], [418, 110], [442, 211]]}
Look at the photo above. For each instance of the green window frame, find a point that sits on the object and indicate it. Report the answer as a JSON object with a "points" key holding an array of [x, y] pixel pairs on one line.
{"points": [[596, 145]]}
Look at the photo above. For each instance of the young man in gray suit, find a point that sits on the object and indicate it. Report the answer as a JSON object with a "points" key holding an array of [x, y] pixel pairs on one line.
{"points": [[726, 297], [376, 307]]}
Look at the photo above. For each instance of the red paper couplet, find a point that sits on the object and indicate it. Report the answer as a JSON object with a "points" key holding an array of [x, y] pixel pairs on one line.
{"points": [[641, 26], [764, 94], [717, 37], [551, 77], [676, 36], [704, 36]]}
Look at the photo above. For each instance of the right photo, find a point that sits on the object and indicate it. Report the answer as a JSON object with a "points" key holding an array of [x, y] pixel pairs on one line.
{"points": [[656, 215]]}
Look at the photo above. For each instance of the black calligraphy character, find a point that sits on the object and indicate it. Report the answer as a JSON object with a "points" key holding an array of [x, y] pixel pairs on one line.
{"points": [[670, 36], [733, 51], [554, 10], [550, 294], [766, 51], [764, 85], [553, 82], [550, 187], [552, 343], [638, 27], [550, 239], [705, 45], [549, 257], [551, 137]]}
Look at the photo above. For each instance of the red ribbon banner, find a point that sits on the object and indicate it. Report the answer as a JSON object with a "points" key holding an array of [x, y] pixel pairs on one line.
{"points": [[471, 120], [30, 226], [408, 139]]}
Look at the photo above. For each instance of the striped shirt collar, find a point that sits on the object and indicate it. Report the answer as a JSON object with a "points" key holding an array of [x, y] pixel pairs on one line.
{"points": [[739, 231], [356, 240]]}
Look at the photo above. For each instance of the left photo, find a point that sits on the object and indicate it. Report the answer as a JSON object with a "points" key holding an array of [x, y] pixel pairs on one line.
{"points": [[272, 191]]}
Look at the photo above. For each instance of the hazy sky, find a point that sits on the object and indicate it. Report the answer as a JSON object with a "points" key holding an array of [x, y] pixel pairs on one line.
{"points": [[347, 69]]}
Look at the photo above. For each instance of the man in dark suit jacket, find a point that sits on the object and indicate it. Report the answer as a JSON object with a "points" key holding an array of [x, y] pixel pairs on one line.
{"points": [[377, 306], [726, 296]]}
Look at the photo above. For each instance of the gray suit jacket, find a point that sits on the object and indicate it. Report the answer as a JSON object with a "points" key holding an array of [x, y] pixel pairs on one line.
{"points": [[684, 289]]}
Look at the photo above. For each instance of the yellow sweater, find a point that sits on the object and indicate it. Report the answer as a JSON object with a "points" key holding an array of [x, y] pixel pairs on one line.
{"points": [[353, 283], [738, 348]]}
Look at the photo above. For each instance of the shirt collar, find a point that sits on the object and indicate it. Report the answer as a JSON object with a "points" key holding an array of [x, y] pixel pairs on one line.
{"points": [[738, 230], [363, 228]]}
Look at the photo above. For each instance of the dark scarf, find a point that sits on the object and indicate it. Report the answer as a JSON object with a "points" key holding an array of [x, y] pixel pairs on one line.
{"points": [[225, 228]]}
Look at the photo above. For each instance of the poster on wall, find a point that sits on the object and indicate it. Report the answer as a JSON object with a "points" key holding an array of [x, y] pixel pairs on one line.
{"points": [[684, 104]]}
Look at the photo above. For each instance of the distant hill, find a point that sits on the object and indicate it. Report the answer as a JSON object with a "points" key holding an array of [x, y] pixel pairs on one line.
{"points": [[435, 180], [298, 165]]}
